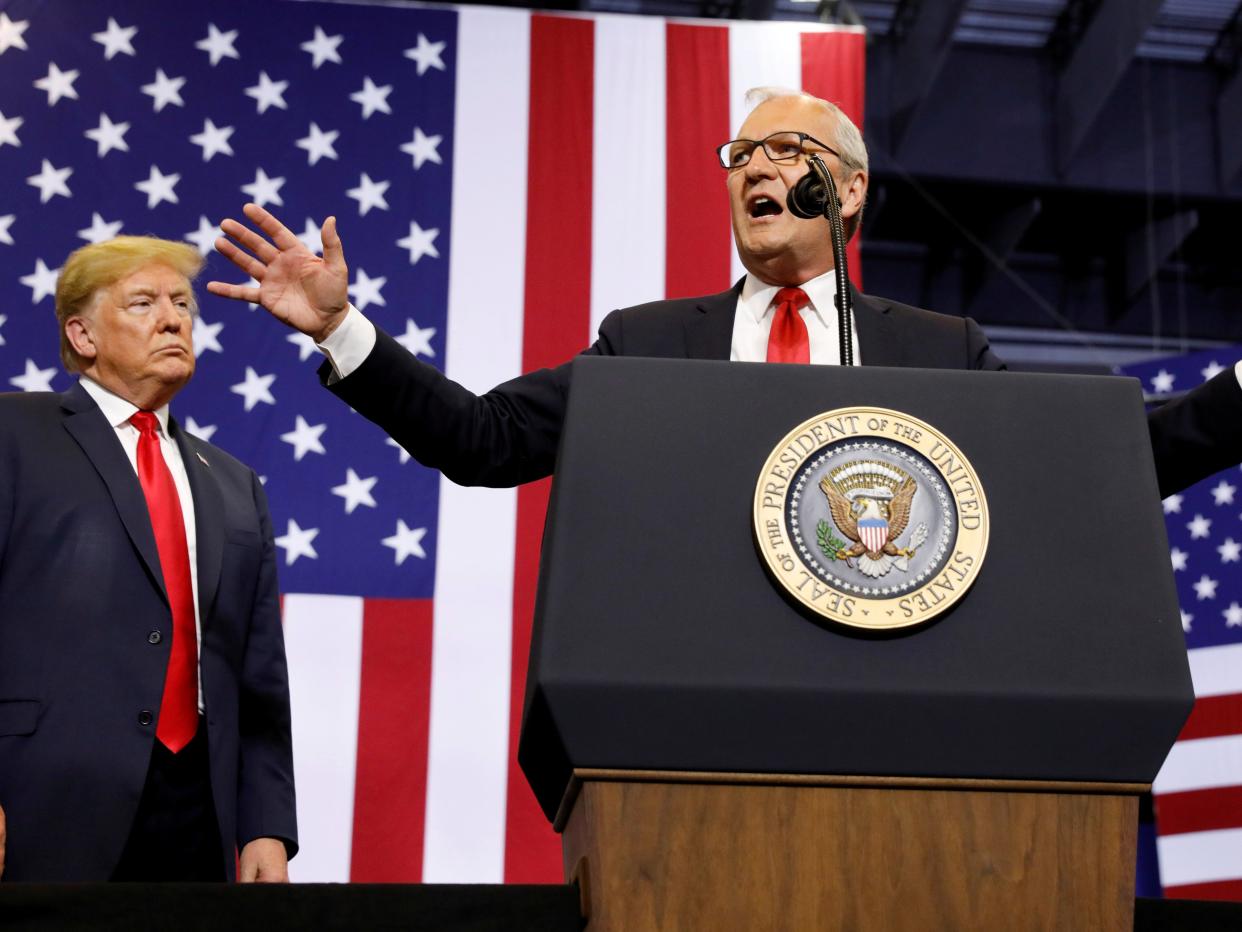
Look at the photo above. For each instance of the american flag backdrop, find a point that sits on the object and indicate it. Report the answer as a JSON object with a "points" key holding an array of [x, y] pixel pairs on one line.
{"points": [[502, 179], [1198, 793]]}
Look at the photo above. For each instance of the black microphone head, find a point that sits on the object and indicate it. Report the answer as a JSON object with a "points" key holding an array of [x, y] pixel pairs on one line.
{"points": [[808, 198]]}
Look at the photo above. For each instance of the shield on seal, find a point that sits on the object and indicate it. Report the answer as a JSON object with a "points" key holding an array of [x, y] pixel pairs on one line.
{"points": [[873, 532]]}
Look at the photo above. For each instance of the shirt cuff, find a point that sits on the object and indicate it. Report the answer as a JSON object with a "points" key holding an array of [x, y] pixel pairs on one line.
{"points": [[348, 346], [1237, 372]]}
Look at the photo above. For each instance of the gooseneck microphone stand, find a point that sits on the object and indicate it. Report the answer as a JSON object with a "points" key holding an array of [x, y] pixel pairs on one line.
{"points": [[814, 196]]}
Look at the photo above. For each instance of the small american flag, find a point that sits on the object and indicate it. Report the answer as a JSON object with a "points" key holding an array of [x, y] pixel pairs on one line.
{"points": [[1198, 793], [874, 533], [502, 179]]}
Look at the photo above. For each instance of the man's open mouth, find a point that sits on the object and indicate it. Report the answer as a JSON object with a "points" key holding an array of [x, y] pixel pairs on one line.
{"points": [[765, 207]]}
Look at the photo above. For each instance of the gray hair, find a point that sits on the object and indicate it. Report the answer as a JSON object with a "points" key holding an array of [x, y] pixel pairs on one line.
{"points": [[848, 142]]}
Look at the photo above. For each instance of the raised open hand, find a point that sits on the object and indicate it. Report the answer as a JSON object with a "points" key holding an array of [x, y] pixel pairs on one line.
{"points": [[297, 287]]}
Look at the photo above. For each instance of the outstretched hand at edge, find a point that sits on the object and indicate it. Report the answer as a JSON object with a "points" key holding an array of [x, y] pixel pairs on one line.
{"points": [[295, 286]]}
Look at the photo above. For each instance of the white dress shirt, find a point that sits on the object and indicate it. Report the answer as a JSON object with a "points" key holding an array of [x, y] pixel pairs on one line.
{"points": [[118, 411], [756, 307], [349, 344]]}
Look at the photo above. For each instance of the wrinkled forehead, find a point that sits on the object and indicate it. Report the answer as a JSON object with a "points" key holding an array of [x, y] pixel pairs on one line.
{"points": [[153, 278], [788, 113]]}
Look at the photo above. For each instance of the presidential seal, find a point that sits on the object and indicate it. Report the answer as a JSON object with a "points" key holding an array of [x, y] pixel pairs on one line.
{"points": [[871, 518]]}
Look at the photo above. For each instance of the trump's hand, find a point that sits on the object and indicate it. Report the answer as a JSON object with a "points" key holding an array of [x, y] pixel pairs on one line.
{"points": [[297, 287], [263, 861]]}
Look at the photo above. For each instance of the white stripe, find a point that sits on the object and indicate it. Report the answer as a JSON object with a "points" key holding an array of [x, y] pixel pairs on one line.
{"points": [[760, 55], [628, 172], [467, 761], [323, 643], [1201, 764], [1216, 671], [1200, 857]]}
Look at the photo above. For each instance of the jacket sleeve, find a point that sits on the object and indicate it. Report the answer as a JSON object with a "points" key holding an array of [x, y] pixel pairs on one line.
{"points": [[1192, 437], [505, 437], [266, 805], [979, 353], [1198, 434]]}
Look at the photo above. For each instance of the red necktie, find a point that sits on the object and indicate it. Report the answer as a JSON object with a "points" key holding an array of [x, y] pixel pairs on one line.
{"points": [[788, 340], [179, 707]]}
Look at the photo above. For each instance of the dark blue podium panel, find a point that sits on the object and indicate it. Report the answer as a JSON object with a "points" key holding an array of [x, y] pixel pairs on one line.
{"points": [[661, 642]]}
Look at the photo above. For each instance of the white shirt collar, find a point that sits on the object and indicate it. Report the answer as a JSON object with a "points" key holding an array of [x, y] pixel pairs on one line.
{"points": [[116, 409], [758, 295]]}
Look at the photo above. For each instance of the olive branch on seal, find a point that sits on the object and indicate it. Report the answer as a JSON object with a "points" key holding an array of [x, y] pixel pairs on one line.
{"points": [[828, 544]]}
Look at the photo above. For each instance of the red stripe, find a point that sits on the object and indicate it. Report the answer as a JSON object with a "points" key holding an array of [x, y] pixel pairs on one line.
{"points": [[1199, 810], [557, 325], [1218, 890], [834, 68], [390, 789], [698, 238], [1214, 716]]}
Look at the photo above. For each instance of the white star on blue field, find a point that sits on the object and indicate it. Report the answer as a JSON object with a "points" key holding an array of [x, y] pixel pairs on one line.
{"points": [[121, 119]]}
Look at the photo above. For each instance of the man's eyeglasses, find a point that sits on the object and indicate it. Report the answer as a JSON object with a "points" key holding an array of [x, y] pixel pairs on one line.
{"points": [[779, 147]]}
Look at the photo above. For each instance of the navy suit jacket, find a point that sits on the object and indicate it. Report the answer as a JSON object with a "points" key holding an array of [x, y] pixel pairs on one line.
{"points": [[81, 597], [510, 435]]}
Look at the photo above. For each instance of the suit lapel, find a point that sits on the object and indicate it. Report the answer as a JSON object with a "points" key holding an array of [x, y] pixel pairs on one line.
{"points": [[877, 342], [98, 440], [208, 518], [709, 330]]}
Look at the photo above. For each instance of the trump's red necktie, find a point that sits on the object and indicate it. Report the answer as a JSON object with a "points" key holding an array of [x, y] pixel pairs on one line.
{"points": [[179, 707], [788, 340]]}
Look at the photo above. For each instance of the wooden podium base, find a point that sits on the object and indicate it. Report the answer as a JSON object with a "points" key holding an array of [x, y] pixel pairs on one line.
{"points": [[688, 851]]}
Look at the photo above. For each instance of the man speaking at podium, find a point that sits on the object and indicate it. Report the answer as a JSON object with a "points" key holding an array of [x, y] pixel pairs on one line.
{"points": [[782, 311], [144, 703]]}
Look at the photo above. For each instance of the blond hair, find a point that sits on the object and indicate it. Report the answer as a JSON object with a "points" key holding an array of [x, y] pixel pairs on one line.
{"points": [[849, 144], [91, 269]]}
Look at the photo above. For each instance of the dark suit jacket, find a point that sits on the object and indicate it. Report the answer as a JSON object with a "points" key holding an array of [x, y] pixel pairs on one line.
{"points": [[510, 434], [81, 594]]}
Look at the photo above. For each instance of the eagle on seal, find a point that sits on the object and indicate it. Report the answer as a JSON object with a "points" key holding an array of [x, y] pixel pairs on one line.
{"points": [[871, 519]]}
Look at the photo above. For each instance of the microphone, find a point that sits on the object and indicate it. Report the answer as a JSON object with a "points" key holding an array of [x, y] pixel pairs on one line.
{"points": [[814, 195], [808, 198]]}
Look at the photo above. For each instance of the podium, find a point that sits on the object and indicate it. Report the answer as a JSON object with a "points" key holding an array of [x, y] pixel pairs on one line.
{"points": [[718, 757]]}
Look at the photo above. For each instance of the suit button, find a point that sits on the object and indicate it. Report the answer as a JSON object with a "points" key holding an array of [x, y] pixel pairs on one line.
{"points": [[145, 717], [154, 637]]}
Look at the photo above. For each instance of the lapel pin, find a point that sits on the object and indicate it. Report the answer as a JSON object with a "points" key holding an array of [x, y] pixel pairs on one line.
{"points": [[202, 459]]}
